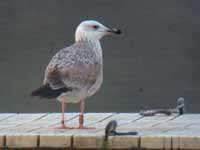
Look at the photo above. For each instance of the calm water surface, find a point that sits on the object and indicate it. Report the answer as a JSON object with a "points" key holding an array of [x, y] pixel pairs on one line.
{"points": [[153, 63]]}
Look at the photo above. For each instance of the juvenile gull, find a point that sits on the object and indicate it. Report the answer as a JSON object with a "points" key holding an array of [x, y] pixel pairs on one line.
{"points": [[76, 72]]}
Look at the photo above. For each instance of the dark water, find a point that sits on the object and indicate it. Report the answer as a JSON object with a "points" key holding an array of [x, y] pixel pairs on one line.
{"points": [[154, 62]]}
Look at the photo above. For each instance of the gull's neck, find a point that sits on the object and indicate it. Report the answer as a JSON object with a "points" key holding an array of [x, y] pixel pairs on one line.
{"points": [[95, 43], [95, 46]]}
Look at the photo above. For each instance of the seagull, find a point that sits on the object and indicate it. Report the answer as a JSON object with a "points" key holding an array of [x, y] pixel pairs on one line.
{"points": [[76, 72]]}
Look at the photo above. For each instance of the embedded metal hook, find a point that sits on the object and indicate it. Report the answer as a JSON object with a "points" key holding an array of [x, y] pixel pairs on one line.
{"points": [[110, 130]]}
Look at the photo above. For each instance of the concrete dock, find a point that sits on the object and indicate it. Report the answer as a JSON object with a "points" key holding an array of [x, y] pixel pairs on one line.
{"points": [[155, 132]]}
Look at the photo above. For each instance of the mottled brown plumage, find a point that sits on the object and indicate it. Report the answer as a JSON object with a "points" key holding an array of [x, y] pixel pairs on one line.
{"points": [[76, 72]]}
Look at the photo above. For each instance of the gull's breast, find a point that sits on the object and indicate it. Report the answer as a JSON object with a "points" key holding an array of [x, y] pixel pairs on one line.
{"points": [[96, 86]]}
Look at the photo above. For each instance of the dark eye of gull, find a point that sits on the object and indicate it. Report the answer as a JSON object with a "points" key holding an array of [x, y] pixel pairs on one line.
{"points": [[95, 26]]}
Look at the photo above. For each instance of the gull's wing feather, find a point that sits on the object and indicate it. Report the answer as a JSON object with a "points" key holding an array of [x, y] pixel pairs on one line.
{"points": [[74, 66]]}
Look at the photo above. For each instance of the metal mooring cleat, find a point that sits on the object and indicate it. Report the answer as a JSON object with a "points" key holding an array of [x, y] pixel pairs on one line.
{"points": [[180, 109]]}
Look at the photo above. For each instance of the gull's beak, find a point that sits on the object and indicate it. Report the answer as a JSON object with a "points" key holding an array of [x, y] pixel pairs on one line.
{"points": [[114, 31]]}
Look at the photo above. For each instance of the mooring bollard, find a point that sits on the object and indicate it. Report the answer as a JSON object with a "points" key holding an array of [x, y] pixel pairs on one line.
{"points": [[181, 105]]}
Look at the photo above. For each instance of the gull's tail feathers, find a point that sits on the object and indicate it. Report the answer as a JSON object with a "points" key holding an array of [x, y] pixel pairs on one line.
{"points": [[45, 91]]}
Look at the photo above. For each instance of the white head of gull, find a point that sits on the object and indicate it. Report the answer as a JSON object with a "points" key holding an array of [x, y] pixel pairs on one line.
{"points": [[93, 31]]}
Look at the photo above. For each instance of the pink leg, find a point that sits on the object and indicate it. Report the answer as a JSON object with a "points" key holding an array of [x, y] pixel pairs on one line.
{"points": [[63, 117], [63, 114], [81, 116]]}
